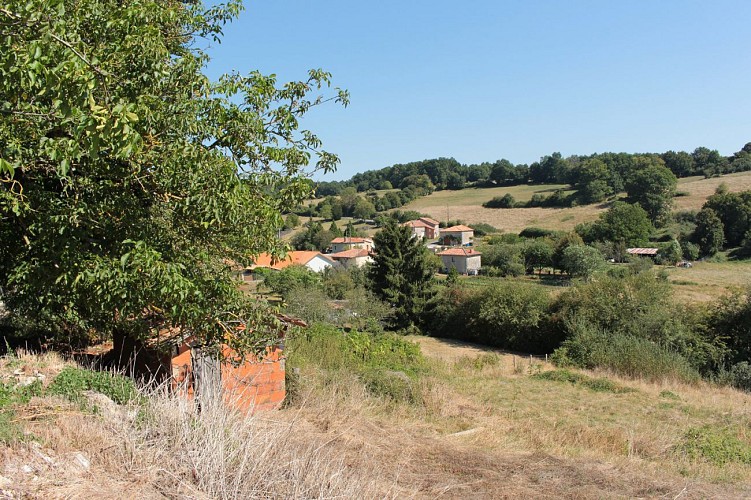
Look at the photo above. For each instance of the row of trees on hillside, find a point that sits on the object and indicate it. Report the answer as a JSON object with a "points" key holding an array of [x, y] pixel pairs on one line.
{"points": [[595, 175]]}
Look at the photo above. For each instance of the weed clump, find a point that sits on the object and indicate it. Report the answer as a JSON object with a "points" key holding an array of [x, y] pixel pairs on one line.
{"points": [[594, 384], [716, 445]]}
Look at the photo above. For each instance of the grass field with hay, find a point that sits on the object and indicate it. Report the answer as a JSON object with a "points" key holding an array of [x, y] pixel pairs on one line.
{"points": [[466, 204]]}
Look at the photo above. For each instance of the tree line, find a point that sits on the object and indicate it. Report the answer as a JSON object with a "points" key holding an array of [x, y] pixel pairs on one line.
{"points": [[596, 174]]}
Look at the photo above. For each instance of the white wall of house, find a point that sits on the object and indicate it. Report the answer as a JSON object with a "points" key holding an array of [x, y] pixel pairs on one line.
{"points": [[354, 261], [463, 264], [340, 247], [463, 237], [318, 263]]}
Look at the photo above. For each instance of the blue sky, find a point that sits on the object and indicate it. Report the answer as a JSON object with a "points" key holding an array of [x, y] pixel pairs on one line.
{"points": [[480, 80]]}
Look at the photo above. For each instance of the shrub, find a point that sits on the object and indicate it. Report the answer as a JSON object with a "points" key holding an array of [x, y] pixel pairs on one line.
{"points": [[717, 445], [283, 281], [505, 201], [625, 355], [537, 232], [72, 382], [594, 384], [482, 229]]}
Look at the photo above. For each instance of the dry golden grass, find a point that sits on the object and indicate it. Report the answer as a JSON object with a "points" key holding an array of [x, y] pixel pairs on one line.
{"points": [[484, 428], [699, 188], [466, 205]]}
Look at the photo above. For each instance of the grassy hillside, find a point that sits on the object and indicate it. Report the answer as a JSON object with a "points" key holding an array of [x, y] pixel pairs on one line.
{"points": [[459, 420], [467, 204]]}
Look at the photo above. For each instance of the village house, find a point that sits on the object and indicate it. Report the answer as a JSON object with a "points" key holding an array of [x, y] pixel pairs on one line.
{"points": [[457, 235], [349, 242], [424, 227], [354, 257], [315, 261], [464, 260]]}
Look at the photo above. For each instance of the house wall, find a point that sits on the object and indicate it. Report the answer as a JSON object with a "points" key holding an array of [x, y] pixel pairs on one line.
{"points": [[318, 264], [464, 238], [340, 247], [463, 264], [355, 262], [418, 232]]}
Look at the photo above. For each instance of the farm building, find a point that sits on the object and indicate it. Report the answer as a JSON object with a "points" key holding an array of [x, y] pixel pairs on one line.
{"points": [[354, 257], [642, 252], [348, 242], [457, 235], [464, 260]]}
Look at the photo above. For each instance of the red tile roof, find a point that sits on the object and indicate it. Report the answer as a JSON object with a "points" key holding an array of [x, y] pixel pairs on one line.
{"points": [[457, 229], [430, 221], [297, 257], [349, 254], [463, 252], [416, 223]]}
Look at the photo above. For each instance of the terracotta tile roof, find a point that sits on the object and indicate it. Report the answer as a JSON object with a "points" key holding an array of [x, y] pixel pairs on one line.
{"points": [[349, 254], [348, 239], [416, 223], [297, 257], [430, 221], [457, 229], [642, 251], [462, 252]]}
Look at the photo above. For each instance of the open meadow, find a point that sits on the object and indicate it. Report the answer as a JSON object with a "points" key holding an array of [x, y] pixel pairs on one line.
{"points": [[466, 204]]}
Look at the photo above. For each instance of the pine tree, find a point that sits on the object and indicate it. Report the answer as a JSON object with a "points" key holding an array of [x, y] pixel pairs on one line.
{"points": [[334, 229], [402, 274]]}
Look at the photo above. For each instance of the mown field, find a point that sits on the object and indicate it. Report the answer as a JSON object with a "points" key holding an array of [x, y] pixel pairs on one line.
{"points": [[466, 204]]}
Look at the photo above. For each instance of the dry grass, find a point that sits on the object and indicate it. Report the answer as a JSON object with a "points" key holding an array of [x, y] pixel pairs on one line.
{"points": [[466, 204], [484, 428], [699, 188], [707, 281]]}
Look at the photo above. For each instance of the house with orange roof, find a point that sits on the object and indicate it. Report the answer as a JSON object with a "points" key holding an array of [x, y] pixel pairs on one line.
{"points": [[354, 257], [464, 260], [457, 235], [315, 261], [348, 242], [424, 227]]}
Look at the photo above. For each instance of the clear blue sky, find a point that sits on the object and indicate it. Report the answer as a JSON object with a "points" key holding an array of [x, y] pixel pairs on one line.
{"points": [[480, 80]]}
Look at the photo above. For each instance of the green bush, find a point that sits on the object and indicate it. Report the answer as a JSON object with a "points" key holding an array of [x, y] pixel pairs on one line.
{"points": [[505, 201], [72, 382], [717, 445], [625, 355], [594, 384]]}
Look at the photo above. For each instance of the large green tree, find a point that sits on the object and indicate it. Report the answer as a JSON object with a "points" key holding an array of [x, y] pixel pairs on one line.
{"points": [[653, 187], [129, 178], [402, 273]]}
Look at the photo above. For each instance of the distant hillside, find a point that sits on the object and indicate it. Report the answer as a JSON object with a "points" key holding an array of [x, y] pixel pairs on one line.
{"points": [[466, 205]]}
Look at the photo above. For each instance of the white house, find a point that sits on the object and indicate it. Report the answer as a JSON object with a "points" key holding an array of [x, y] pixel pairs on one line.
{"points": [[457, 235], [464, 260], [354, 257], [315, 261], [348, 242]]}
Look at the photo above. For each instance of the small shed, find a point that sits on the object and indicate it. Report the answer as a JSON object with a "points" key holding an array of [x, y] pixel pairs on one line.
{"points": [[250, 384], [643, 252]]}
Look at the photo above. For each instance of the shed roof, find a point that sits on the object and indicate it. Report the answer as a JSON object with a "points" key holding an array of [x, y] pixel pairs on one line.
{"points": [[642, 251], [351, 239], [430, 221]]}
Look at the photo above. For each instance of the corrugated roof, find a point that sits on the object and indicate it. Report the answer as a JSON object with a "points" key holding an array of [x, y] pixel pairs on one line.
{"points": [[349, 254], [463, 252], [457, 229], [642, 251]]}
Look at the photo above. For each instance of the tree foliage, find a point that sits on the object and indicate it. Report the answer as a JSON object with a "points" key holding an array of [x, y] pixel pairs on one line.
{"points": [[402, 273], [128, 177]]}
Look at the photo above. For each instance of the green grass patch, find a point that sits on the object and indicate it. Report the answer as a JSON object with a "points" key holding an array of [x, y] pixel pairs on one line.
{"points": [[72, 382], [594, 384], [716, 445]]}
